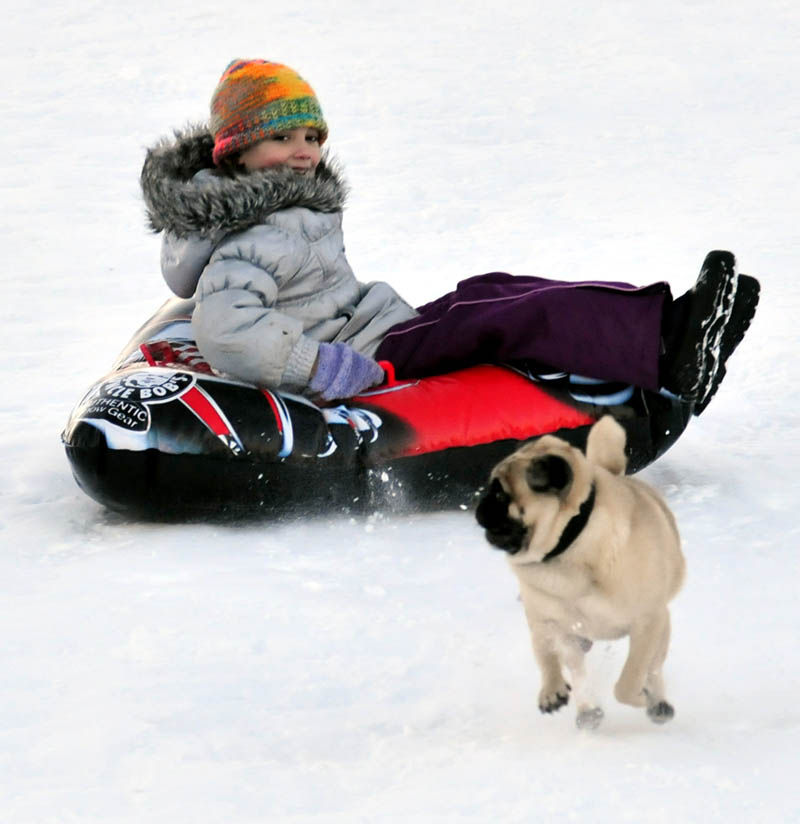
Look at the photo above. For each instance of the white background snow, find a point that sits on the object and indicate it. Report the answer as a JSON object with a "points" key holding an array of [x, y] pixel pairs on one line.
{"points": [[378, 669]]}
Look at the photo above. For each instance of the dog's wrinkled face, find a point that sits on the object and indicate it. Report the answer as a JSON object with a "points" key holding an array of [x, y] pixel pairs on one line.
{"points": [[527, 493], [536, 491]]}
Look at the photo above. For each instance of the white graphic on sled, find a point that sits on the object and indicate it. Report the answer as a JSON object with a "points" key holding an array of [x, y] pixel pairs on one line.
{"points": [[364, 423], [153, 386], [123, 401], [120, 407], [283, 420]]}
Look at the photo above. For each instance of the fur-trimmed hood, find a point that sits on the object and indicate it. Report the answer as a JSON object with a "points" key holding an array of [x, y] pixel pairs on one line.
{"points": [[217, 204]]}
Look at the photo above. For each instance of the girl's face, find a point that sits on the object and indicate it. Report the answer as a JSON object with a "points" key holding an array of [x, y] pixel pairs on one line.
{"points": [[298, 149]]}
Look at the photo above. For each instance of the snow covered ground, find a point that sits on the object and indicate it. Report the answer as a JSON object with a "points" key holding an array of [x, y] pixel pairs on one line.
{"points": [[378, 669]]}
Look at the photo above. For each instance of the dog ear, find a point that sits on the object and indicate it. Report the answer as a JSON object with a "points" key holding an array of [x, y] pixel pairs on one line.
{"points": [[605, 445], [549, 474]]}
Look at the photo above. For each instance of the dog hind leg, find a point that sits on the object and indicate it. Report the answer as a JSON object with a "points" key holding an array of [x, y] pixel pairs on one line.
{"points": [[659, 710], [647, 642]]}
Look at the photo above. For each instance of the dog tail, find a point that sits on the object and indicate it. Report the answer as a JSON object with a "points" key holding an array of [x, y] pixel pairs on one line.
{"points": [[605, 445]]}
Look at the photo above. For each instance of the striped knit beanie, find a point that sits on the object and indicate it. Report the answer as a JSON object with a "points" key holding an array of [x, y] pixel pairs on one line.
{"points": [[255, 99]]}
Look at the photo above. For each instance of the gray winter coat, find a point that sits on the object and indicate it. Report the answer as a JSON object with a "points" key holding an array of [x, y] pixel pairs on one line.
{"points": [[263, 254]]}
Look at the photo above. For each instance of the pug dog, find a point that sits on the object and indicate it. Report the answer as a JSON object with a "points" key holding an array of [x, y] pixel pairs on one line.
{"points": [[598, 556]]}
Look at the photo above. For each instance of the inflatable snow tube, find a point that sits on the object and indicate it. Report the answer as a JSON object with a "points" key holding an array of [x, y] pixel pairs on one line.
{"points": [[162, 437]]}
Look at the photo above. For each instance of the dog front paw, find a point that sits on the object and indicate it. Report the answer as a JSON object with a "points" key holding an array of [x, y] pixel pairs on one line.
{"points": [[661, 712], [552, 699], [589, 718]]}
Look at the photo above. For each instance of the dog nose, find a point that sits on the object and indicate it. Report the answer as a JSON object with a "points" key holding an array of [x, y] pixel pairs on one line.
{"points": [[492, 514], [493, 507], [509, 540]]}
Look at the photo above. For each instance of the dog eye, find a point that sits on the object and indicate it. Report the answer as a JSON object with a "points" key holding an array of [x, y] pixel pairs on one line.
{"points": [[500, 494], [496, 493]]}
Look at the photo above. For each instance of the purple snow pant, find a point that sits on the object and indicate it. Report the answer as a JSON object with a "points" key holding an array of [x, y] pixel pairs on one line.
{"points": [[610, 331]]}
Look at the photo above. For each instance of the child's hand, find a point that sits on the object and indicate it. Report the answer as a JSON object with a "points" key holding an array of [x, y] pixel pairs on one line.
{"points": [[341, 372]]}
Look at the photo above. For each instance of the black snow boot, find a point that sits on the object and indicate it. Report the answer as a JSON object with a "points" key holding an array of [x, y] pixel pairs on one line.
{"points": [[702, 328]]}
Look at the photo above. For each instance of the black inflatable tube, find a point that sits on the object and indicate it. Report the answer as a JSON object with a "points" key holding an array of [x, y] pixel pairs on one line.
{"points": [[165, 439]]}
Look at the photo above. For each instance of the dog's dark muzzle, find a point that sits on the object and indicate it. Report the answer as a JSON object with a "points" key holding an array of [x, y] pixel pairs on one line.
{"points": [[492, 514]]}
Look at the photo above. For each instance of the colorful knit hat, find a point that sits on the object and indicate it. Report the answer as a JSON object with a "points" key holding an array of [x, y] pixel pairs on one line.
{"points": [[255, 99]]}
